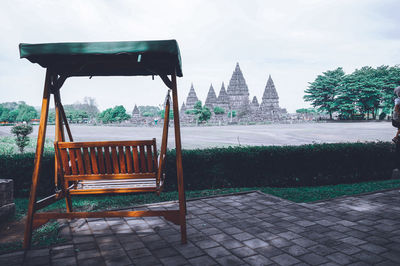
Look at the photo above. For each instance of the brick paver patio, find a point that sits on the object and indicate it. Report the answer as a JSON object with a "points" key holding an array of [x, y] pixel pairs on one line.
{"points": [[244, 229]]}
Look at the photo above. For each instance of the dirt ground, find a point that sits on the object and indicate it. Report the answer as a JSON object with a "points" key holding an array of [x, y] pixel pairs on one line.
{"points": [[219, 136]]}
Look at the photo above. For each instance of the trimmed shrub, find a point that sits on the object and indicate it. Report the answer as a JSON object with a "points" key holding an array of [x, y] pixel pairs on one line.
{"points": [[274, 166]]}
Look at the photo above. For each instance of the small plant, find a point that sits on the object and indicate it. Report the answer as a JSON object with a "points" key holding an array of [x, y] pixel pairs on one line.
{"points": [[218, 110], [21, 131]]}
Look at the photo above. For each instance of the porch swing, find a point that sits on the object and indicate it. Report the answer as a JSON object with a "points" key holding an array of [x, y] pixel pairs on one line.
{"points": [[104, 167]]}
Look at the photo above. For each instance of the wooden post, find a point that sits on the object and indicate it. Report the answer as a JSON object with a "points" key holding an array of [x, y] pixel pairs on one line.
{"points": [[60, 136], [38, 159], [179, 168]]}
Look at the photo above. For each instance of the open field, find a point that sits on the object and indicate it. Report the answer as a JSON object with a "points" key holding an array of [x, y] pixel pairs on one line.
{"points": [[202, 137]]}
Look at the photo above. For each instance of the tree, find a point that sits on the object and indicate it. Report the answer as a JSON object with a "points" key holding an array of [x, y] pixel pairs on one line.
{"points": [[21, 131], [306, 111], [219, 110], [149, 111], [202, 113], [26, 113], [116, 114], [322, 92], [232, 113]]}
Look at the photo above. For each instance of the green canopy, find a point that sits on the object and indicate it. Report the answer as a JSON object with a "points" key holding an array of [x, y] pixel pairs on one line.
{"points": [[137, 58]]}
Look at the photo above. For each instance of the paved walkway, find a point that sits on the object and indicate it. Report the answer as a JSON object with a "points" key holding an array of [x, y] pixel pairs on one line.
{"points": [[253, 228]]}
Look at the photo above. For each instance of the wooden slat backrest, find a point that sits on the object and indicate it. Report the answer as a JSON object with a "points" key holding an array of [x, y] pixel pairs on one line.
{"points": [[111, 157]]}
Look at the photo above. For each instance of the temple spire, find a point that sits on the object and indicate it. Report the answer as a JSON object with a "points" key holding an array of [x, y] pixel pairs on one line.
{"points": [[270, 97], [191, 99], [211, 100]]}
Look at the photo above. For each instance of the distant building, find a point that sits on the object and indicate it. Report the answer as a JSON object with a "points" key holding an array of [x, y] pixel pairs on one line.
{"points": [[236, 98]]}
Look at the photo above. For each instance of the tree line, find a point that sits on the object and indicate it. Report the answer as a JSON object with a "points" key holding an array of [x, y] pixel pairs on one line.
{"points": [[363, 94]]}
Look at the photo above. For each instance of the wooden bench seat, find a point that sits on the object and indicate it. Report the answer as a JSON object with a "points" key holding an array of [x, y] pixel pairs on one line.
{"points": [[109, 166]]}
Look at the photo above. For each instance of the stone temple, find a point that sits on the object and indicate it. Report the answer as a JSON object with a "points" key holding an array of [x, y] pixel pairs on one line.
{"points": [[236, 98]]}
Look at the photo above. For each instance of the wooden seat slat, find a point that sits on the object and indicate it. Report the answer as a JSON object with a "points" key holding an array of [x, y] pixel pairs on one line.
{"points": [[155, 156], [121, 157], [108, 160], [114, 159], [142, 160], [88, 168], [72, 156], [65, 163], [94, 160], [100, 156], [135, 159], [129, 161], [149, 158], [79, 160]]}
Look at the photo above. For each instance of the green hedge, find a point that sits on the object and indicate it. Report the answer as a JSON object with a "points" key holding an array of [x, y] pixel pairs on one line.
{"points": [[275, 166]]}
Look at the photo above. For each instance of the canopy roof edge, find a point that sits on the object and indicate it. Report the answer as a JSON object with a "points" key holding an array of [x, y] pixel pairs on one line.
{"points": [[127, 58]]}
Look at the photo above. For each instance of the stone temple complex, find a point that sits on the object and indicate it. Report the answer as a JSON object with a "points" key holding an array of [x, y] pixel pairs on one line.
{"points": [[236, 98]]}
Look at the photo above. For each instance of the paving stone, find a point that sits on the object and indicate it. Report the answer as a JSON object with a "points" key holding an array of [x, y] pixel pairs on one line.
{"points": [[164, 252], [285, 260], [82, 239], [230, 260], [313, 259], [174, 260], [255, 243], [85, 246], [373, 248], [295, 250], [202, 261], [353, 241], [65, 261], [86, 254], [230, 244], [341, 258], [146, 261], [392, 255], [190, 251], [347, 248], [243, 252], [42, 260], [289, 235], [257, 260], [118, 260], [368, 257], [207, 244], [242, 236], [37, 253], [217, 252], [280, 242], [97, 261], [304, 242], [136, 253]]}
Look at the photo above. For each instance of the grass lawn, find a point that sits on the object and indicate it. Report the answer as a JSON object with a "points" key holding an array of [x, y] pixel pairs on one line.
{"points": [[47, 234]]}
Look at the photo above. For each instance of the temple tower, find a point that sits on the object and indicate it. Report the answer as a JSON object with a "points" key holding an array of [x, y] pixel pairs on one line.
{"points": [[192, 99], [238, 91], [270, 99], [183, 108], [254, 106], [223, 99], [135, 112], [211, 100]]}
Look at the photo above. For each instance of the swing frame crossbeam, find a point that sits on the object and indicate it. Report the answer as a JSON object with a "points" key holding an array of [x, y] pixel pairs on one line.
{"points": [[55, 78]]}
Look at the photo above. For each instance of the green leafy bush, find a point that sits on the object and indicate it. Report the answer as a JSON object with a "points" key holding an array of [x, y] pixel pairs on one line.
{"points": [[21, 132], [273, 166], [219, 110]]}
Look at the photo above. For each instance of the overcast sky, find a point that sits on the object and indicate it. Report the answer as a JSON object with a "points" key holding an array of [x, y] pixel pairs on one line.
{"points": [[293, 41]]}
